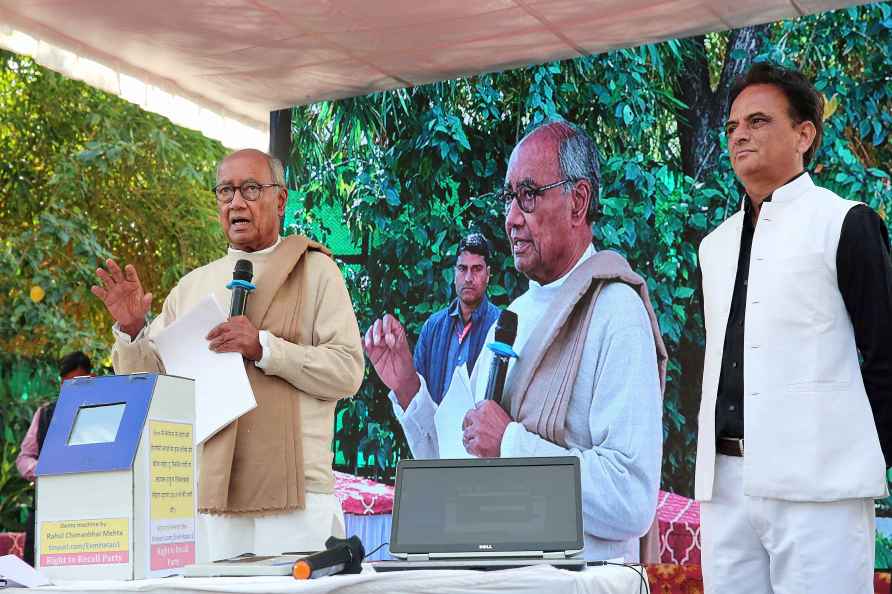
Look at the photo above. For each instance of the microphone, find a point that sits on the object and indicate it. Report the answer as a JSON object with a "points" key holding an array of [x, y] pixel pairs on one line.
{"points": [[340, 556], [241, 286], [506, 332]]}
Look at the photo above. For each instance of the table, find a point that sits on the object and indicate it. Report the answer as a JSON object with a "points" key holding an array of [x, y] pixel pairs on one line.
{"points": [[526, 580]]}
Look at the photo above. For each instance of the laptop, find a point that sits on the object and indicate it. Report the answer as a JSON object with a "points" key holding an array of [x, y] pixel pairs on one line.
{"points": [[486, 513]]}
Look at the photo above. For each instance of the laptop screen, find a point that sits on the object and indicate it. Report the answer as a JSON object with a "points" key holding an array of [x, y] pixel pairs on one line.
{"points": [[487, 505]]}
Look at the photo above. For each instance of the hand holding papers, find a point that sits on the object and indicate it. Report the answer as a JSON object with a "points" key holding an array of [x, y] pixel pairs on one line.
{"points": [[222, 390], [452, 410]]}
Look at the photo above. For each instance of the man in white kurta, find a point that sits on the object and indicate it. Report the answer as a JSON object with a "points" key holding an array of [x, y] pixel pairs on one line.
{"points": [[613, 417], [795, 285]]}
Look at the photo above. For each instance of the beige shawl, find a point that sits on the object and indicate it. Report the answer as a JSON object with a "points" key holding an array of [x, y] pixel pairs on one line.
{"points": [[256, 464], [539, 387]]}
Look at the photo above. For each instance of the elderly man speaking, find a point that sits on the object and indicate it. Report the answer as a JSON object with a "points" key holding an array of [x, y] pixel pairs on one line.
{"points": [[266, 483], [590, 373]]}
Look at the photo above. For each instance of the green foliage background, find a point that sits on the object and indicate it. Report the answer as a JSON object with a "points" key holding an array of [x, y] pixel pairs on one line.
{"points": [[85, 175]]}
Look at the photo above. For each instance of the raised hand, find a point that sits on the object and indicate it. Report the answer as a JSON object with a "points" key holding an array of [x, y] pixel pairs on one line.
{"points": [[388, 349], [123, 296]]}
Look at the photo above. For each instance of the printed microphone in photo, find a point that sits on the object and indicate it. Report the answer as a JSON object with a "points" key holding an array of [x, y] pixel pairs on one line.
{"points": [[503, 351], [241, 287]]}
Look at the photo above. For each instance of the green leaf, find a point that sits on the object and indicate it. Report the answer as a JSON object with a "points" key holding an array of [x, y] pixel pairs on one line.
{"points": [[628, 116], [393, 199]]}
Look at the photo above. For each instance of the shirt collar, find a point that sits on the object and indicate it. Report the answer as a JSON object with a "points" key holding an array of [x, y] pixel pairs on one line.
{"points": [[588, 253], [232, 250], [798, 185], [455, 310]]}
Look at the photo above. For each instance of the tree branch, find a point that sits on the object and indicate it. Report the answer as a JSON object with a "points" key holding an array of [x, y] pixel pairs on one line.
{"points": [[693, 90], [743, 45]]}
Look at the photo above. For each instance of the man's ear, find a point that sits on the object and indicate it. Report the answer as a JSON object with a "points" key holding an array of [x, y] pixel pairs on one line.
{"points": [[807, 133], [282, 198], [580, 197]]}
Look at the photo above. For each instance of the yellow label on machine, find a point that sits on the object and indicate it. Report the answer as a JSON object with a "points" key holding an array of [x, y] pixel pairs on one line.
{"points": [[100, 541], [171, 475], [171, 496]]}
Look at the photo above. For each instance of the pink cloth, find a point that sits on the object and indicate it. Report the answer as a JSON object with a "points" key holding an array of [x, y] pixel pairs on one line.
{"points": [[12, 543], [26, 461], [675, 508], [362, 497], [679, 526]]}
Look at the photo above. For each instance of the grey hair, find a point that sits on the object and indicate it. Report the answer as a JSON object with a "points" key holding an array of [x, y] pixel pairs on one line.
{"points": [[276, 169], [577, 157]]}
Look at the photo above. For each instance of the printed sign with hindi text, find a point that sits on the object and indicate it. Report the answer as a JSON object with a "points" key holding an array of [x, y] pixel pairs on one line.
{"points": [[171, 496]]}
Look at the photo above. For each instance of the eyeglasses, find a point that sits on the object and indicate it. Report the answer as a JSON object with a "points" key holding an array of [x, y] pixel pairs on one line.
{"points": [[251, 191], [526, 195]]}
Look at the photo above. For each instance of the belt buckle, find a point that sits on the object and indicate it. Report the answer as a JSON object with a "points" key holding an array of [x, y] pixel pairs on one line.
{"points": [[737, 441]]}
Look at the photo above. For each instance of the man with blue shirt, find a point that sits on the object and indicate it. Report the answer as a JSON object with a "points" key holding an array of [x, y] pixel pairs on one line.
{"points": [[454, 336]]}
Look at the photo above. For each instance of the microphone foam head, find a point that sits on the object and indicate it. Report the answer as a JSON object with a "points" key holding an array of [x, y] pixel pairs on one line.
{"points": [[506, 327], [243, 271]]}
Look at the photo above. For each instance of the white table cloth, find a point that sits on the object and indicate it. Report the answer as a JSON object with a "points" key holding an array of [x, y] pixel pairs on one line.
{"points": [[527, 580]]}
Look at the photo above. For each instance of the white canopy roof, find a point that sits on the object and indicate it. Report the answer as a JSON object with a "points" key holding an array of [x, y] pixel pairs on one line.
{"points": [[220, 66]]}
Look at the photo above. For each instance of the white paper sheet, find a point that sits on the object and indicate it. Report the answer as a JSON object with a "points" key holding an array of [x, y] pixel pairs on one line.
{"points": [[222, 390], [450, 414], [19, 574]]}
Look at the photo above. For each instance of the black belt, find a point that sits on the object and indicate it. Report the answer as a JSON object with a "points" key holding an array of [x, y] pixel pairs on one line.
{"points": [[729, 446]]}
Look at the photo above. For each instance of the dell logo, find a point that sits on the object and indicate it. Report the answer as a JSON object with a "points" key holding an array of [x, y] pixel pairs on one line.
{"points": [[485, 547]]}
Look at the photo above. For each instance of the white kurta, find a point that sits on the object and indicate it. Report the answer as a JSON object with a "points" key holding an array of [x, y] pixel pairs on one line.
{"points": [[614, 420]]}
